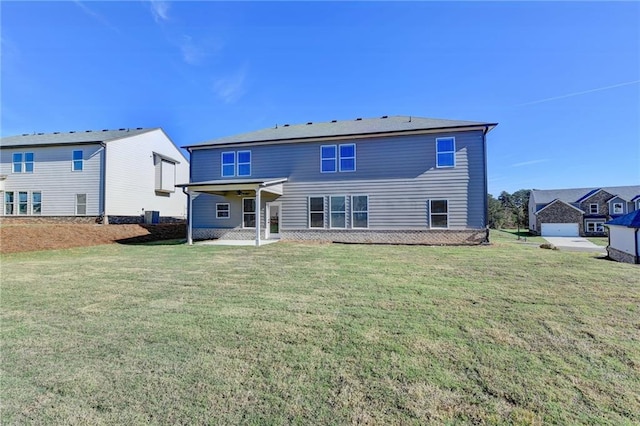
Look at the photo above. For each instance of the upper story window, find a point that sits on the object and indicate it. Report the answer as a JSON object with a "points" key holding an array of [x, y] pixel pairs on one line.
{"points": [[228, 164], [335, 158], [446, 152], [348, 157], [244, 163], [23, 162], [230, 167], [593, 208], [618, 208], [78, 162]]}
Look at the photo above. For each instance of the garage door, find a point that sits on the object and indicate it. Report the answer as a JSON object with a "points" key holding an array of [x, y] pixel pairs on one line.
{"points": [[560, 230]]}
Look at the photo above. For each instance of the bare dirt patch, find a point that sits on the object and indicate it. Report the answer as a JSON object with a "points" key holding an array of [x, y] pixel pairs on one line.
{"points": [[33, 237]]}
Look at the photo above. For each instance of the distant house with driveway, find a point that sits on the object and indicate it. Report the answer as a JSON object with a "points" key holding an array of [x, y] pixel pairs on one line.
{"points": [[111, 176], [624, 238], [394, 179], [579, 211]]}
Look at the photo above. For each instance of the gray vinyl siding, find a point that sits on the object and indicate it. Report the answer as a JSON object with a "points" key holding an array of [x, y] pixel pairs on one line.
{"points": [[398, 174], [54, 178]]}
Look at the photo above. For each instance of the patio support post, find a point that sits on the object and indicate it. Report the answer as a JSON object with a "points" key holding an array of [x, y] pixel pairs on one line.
{"points": [[258, 191]]}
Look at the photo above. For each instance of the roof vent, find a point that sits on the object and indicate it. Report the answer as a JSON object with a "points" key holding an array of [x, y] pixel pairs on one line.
{"points": [[25, 134], [56, 133], [359, 119], [122, 129], [309, 123], [105, 130], [87, 131], [138, 128], [41, 133], [73, 131], [385, 116], [334, 121], [286, 125]]}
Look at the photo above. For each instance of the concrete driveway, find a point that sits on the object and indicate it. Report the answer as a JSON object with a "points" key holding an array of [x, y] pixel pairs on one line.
{"points": [[575, 244]]}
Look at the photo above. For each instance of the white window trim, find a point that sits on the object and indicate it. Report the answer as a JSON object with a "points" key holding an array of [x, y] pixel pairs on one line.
{"points": [[32, 203], [324, 211], [228, 211], [86, 203], [238, 163], [23, 162], [431, 213], [595, 222], [17, 203], [438, 166], [591, 208], [613, 208], [5, 203], [254, 212], [335, 158], [73, 161], [340, 158], [222, 163], [359, 211], [331, 212]]}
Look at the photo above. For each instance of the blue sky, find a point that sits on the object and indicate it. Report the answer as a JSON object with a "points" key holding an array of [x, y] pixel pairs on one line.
{"points": [[562, 79]]}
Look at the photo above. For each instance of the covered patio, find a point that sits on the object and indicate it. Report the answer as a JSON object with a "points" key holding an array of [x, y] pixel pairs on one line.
{"points": [[230, 187]]}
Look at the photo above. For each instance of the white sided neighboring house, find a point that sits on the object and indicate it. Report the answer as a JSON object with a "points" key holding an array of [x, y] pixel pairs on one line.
{"points": [[624, 238], [110, 176]]}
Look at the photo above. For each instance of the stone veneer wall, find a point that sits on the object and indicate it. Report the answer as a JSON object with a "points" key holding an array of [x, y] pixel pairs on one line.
{"points": [[621, 256], [601, 199], [559, 213], [427, 237]]}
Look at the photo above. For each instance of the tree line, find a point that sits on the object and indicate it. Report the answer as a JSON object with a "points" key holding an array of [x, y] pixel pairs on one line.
{"points": [[509, 211]]}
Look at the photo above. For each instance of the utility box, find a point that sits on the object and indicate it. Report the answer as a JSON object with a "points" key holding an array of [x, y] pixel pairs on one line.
{"points": [[151, 217]]}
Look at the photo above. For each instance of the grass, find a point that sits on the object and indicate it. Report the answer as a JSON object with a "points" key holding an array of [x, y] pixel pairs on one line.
{"points": [[319, 334]]}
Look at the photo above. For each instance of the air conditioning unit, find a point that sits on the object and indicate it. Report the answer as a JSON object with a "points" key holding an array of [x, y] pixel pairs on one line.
{"points": [[151, 217]]}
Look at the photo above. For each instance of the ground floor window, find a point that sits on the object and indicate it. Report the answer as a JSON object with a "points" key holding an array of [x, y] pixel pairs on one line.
{"points": [[338, 207], [222, 211], [248, 212], [439, 214], [23, 202], [8, 203], [316, 212], [81, 204], [36, 203], [360, 211], [594, 226]]}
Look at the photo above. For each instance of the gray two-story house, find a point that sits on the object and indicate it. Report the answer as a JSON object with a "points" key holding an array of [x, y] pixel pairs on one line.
{"points": [[395, 179]]}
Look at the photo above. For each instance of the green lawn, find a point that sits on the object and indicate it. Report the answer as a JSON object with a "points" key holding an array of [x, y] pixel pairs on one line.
{"points": [[319, 334]]}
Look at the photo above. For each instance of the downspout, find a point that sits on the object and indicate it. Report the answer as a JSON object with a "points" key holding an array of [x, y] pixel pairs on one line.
{"points": [[189, 208], [103, 196], [486, 184], [258, 191], [637, 256]]}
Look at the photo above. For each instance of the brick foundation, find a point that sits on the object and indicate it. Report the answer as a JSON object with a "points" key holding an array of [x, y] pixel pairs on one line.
{"points": [[113, 220], [426, 237], [621, 256]]}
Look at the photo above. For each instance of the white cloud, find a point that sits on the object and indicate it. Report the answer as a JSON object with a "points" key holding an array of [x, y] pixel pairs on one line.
{"points": [[231, 88], [570, 95], [160, 10], [95, 15], [528, 163]]}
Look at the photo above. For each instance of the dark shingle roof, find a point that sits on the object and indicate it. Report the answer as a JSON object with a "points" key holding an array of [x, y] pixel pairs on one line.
{"points": [[631, 220], [573, 195], [64, 138], [344, 128]]}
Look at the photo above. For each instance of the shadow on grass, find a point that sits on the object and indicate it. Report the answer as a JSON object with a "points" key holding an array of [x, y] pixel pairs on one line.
{"points": [[161, 234]]}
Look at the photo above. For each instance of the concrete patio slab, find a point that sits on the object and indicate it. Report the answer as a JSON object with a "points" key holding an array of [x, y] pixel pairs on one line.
{"points": [[575, 244], [234, 242]]}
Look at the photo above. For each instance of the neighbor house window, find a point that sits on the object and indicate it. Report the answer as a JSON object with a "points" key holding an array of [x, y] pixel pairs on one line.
{"points": [[328, 159], [8, 203], [360, 211], [23, 162], [81, 204], [445, 152], [338, 208], [348, 157], [78, 163], [617, 208], [23, 202], [222, 210], [316, 212], [36, 203], [439, 214], [595, 226], [228, 164], [244, 163], [248, 212], [593, 208]]}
